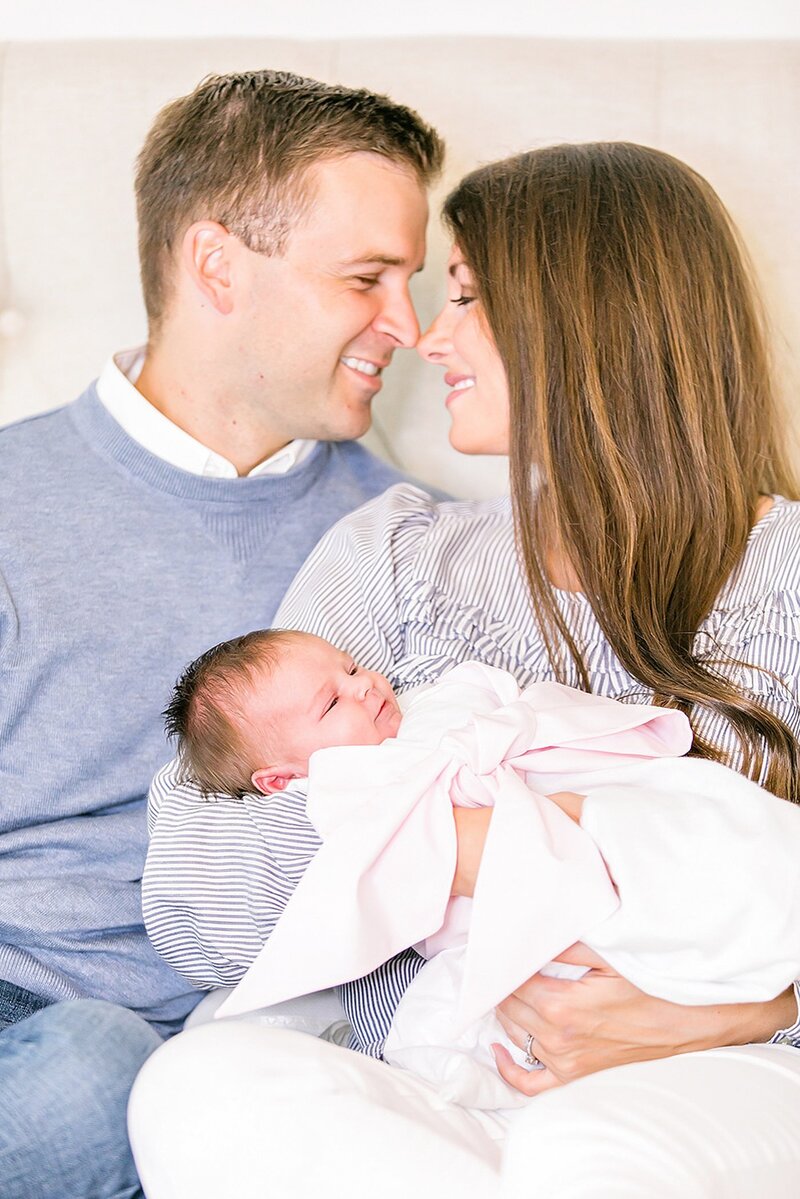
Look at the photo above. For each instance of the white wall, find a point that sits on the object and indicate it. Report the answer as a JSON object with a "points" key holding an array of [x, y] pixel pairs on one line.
{"points": [[53, 19]]}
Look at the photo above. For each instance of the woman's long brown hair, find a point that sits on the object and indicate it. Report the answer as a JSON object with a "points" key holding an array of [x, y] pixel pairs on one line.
{"points": [[616, 291]]}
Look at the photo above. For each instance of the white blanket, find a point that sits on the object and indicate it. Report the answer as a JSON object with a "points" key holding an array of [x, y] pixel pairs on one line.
{"points": [[704, 906]]}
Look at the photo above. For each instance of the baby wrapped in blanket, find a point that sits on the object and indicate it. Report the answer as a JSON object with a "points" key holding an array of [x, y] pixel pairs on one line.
{"points": [[681, 873]]}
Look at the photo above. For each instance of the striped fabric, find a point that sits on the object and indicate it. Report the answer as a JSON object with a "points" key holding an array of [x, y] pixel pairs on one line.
{"points": [[411, 588]]}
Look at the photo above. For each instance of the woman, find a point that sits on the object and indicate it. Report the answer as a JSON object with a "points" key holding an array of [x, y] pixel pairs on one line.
{"points": [[600, 329], [638, 385]]}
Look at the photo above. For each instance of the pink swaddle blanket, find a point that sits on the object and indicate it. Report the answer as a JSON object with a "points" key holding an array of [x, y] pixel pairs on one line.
{"points": [[704, 906]]}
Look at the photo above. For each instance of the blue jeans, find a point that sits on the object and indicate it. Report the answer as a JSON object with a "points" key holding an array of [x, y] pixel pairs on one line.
{"points": [[65, 1075]]}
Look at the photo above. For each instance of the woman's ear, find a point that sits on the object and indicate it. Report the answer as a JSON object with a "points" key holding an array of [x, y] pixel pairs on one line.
{"points": [[206, 257]]}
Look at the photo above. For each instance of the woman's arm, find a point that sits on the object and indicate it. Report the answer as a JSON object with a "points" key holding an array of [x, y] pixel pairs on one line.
{"points": [[472, 825], [218, 875], [602, 1020]]}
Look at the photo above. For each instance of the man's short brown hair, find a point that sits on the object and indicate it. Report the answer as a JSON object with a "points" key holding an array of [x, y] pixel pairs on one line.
{"points": [[236, 149], [207, 710]]}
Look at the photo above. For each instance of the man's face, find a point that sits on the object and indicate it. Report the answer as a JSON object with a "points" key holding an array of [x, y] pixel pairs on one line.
{"points": [[317, 697], [318, 324]]}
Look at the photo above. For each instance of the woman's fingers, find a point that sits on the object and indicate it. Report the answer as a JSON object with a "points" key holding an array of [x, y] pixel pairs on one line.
{"points": [[543, 1001], [515, 1031], [533, 1002], [566, 1018], [529, 1082], [519, 1011], [581, 955]]}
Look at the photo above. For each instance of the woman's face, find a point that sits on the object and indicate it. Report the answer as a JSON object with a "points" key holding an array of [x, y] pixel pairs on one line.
{"points": [[459, 340]]}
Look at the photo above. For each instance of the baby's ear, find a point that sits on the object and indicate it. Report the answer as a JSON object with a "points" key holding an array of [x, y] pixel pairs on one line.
{"points": [[272, 778]]}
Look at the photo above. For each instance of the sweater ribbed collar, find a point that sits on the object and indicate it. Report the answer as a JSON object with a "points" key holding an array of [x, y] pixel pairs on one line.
{"points": [[106, 437]]}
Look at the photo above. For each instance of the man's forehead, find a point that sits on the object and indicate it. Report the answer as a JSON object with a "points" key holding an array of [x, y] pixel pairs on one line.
{"points": [[372, 207], [358, 165]]}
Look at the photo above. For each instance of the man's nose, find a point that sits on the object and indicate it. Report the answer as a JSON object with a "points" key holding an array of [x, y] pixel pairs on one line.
{"points": [[399, 320]]}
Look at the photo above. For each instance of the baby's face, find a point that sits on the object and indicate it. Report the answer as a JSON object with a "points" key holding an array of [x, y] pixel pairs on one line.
{"points": [[318, 697]]}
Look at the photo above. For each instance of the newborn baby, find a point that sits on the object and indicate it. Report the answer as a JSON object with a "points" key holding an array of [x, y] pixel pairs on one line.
{"points": [[249, 713]]}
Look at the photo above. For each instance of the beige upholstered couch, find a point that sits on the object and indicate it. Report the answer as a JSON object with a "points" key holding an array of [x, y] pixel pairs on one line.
{"points": [[72, 116]]}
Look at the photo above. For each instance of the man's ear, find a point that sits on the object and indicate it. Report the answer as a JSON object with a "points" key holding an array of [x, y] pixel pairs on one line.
{"points": [[270, 779], [206, 256]]}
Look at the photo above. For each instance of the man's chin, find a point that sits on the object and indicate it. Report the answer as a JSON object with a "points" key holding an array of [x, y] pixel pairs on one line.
{"points": [[350, 424]]}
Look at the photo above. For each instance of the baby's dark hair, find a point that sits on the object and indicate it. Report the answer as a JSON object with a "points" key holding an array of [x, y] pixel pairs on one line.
{"points": [[206, 711]]}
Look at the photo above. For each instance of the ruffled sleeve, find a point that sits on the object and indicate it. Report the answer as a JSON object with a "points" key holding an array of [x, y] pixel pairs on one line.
{"points": [[757, 645], [352, 587], [753, 634], [218, 875]]}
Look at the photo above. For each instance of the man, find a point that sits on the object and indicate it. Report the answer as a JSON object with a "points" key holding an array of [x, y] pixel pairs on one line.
{"points": [[166, 509]]}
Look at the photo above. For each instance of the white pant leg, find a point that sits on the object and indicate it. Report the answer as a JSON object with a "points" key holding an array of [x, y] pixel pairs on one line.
{"points": [[724, 1124], [241, 1111], [235, 1111]]}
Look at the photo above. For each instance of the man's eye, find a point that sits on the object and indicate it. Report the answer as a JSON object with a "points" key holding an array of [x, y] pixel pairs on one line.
{"points": [[366, 280], [462, 301]]}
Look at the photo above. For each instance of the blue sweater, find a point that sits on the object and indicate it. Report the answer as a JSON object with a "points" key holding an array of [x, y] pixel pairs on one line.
{"points": [[116, 569]]}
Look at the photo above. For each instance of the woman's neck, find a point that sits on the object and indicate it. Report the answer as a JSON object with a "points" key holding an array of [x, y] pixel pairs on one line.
{"points": [[763, 506], [561, 572]]}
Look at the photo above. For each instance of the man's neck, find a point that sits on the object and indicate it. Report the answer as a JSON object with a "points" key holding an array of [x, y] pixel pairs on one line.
{"points": [[190, 402]]}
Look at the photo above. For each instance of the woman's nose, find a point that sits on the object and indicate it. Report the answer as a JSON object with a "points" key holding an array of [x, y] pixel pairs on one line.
{"points": [[436, 341]]}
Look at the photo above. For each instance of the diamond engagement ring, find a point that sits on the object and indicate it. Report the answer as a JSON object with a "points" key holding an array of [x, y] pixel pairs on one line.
{"points": [[530, 1057]]}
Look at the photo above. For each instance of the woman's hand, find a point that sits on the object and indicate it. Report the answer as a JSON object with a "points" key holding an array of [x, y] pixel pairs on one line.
{"points": [[601, 1020]]}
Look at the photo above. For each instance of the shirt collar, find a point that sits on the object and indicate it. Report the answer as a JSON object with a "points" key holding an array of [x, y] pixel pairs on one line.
{"points": [[162, 437]]}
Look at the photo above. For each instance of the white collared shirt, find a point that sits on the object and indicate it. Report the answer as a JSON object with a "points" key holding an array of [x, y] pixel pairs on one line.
{"points": [[162, 437]]}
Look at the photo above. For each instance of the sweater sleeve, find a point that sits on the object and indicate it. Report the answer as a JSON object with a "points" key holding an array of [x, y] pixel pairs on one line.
{"points": [[9, 624]]}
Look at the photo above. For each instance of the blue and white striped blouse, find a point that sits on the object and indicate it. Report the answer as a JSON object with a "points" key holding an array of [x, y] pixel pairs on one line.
{"points": [[410, 587]]}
